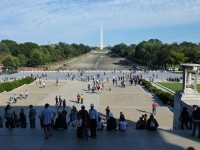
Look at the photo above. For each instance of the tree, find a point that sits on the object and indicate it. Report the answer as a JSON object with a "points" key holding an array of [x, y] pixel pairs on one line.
{"points": [[175, 58], [10, 63], [22, 59], [12, 46], [27, 48], [35, 59], [3, 48]]}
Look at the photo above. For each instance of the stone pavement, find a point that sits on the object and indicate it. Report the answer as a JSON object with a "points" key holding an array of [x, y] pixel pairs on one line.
{"points": [[133, 101]]}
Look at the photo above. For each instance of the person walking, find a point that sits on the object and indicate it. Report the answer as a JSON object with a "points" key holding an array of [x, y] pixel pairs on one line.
{"points": [[26, 94], [32, 114], [93, 117], [47, 115], [154, 106]]}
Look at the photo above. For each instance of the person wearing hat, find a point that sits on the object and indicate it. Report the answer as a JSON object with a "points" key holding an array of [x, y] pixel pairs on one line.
{"points": [[93, 116]]}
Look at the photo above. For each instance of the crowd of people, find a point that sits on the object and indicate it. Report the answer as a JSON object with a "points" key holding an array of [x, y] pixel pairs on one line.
{"points": [[22, 95], [173, 79], [86, 122]]}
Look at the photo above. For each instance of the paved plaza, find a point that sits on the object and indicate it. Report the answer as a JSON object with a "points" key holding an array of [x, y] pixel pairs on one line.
{"points": [[133, 101]]}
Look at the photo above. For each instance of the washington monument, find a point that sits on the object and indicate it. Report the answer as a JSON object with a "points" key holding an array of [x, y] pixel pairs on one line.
{"points": [[101, 37]]}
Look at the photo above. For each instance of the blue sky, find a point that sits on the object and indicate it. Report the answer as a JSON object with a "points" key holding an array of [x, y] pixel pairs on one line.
{"points": [[78, 21]]}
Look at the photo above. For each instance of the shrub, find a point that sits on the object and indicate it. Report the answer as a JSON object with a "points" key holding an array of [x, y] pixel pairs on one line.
{"points": [[9, 86], [165, 97]]}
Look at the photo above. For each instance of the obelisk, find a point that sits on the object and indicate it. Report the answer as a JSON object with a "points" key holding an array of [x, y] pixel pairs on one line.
{"points": [[101, 37]]}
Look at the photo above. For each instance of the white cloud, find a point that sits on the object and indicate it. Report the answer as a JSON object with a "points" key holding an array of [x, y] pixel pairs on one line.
{"points": [[75, 17]]}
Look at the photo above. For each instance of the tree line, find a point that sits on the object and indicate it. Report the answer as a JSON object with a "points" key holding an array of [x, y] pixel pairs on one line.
{"points": [[155, 54], [14, 55]]}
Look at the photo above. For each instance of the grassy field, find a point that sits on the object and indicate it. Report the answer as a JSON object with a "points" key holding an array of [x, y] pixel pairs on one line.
{"points": [[175, 86]]}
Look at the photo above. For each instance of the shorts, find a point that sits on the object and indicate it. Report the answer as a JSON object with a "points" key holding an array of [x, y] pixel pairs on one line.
{"points": [[47, 125]]}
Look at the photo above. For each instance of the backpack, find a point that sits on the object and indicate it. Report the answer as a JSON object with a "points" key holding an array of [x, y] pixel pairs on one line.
{"points": [[152, 124]]}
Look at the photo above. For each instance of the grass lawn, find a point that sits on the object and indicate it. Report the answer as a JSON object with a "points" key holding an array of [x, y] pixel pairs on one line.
{"points": [[175, 86]]}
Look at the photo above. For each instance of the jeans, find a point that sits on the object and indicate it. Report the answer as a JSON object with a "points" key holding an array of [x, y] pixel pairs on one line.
{"points": [[196, 123], [154, 111]]}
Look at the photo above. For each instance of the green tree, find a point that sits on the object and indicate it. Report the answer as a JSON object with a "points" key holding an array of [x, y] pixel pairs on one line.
{"points": [[3, 48], [36, 59], [12, 46], [11, 63], [27, 48], [22, 59]]}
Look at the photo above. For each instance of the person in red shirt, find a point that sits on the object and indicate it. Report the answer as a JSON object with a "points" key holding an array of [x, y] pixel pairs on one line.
{"points": [[154, 106], [78, 98]]}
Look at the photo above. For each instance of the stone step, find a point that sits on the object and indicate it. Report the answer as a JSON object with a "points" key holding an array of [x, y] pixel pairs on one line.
{"points": [[139, 139]]}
